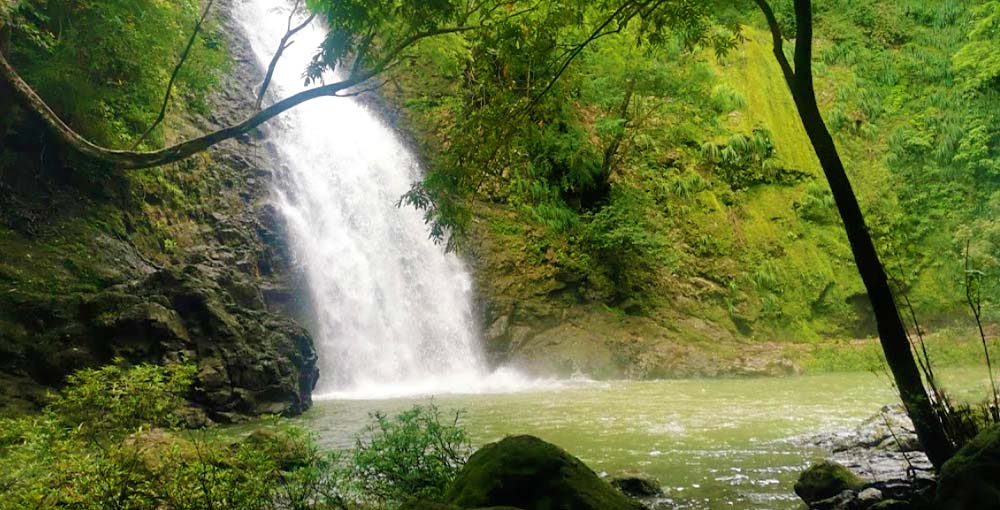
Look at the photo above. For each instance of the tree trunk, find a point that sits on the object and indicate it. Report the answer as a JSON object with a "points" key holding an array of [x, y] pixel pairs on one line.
{"points": [[6, 95], [892, 332]]}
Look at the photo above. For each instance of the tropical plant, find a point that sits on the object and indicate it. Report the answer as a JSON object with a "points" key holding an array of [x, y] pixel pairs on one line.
{"points": [[413, 455]]}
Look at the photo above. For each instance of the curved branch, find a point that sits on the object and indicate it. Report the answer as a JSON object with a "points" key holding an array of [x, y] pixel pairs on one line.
{"points": [[778, 40], [129, 160], [173, 76], [598, 33], [282, 46]]}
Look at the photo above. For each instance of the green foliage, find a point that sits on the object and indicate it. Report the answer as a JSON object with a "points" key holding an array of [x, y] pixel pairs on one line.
{"points": [[979, 58], [112, 439], [414, 455], [745, 161], [725, 99], [373, 30], [817, 205], [104, 66], [626, 239], [648, 167], [108, 402], [101, 444]]}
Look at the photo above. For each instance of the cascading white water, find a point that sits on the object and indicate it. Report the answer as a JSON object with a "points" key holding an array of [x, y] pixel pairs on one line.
{"points": [[393, 311]]}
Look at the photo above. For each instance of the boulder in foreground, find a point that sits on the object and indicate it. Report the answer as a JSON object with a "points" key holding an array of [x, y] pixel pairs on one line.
{"points": [[971, 479], [825, 480], [430, 505], [528, 473]]}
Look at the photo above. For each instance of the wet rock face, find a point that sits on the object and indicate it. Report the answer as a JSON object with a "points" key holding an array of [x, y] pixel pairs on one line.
{"points": [[882, 448], [249, 361]]}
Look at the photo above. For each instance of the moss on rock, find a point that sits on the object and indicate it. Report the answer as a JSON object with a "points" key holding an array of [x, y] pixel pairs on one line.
{"points": [[431, 505], [825, 480], [527, 472], [971, 479]]}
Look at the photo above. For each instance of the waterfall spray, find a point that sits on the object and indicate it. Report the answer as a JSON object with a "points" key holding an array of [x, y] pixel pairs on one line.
{"points": [[393, 312]]}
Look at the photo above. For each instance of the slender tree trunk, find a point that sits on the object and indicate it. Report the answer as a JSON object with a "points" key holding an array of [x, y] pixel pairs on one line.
{"points": [[892, 332], [6, 95], [611, 152]]}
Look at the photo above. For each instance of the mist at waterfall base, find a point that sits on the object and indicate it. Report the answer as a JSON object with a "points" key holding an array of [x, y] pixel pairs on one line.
{"points": [[393, 311]]}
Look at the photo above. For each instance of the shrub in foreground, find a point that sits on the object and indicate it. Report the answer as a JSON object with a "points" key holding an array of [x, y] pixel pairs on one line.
{"points": [[113, 440]]}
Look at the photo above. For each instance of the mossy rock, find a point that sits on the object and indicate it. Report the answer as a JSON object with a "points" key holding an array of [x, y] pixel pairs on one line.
{"points": [[637, 486], [825, 480], [528, 473], [971, 479], [893, 504], [431, 505]]}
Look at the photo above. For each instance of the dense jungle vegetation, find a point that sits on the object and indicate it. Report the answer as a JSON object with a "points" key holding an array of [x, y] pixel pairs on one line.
{"points": [[664, 177], [649, 185]]}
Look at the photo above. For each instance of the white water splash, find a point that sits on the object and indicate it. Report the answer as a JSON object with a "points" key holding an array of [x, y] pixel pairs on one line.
{"points": [[393, 311]]}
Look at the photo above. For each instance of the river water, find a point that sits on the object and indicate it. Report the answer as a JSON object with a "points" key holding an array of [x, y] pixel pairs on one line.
{"points": [[713, 444]]}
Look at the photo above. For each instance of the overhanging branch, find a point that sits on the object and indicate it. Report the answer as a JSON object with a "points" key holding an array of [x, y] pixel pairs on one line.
{"points": [[127, 159], [132, 159]]}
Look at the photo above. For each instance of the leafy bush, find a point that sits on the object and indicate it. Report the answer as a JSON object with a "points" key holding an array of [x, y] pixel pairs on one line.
{"points": [[628, 242], [416, 454], [111, 440], [112, 401]]}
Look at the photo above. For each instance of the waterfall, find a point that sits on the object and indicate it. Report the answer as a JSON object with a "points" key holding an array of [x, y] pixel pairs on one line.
{"points": [[393, 312]]}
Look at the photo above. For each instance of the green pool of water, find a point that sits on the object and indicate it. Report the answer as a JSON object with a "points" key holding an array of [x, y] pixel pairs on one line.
{"points": [[713, 444]]}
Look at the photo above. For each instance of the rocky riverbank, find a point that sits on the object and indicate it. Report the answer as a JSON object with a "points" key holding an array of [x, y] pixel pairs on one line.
{"points": [[878, 460]]}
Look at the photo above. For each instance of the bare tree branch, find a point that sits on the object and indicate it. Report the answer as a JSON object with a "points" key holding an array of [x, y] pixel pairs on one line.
{"points": [[974, 299], [173, 76], [355, 93], [282, 46]]}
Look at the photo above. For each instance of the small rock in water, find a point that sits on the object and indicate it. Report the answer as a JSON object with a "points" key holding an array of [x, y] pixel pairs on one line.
{"points": [[840, 501], [638, 487], [869, 496]]}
